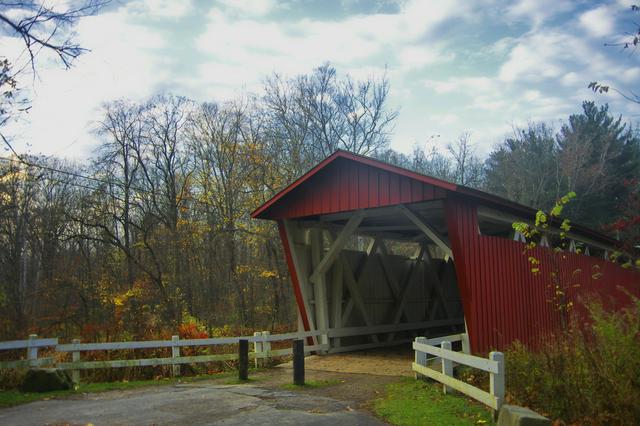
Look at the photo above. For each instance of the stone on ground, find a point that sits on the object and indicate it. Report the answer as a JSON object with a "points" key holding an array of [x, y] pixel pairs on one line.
{"points": [[512, 415]]}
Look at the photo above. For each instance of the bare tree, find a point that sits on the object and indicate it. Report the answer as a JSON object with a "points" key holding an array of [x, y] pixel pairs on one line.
{"points": [[122, 129], [467, 167], [42, 28], [318, 113], [45, 27], [630, 42]]}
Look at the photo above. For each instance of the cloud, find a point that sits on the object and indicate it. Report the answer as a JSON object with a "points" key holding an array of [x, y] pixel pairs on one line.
{"points": [[294, 46], [158, 9], [253, 8], [477, 84], [66, 103], [598, 22], [537, 12], [444, 119]]}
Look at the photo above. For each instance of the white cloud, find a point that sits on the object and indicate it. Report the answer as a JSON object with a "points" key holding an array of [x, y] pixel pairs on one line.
{"points": [[537, 12], [416, 57], [445, 119], [598, 22], [462, 85], [160, 8], [65, 103], [259, 46], [253, 7]]}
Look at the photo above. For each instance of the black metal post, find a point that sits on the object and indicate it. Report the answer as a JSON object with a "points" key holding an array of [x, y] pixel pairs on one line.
{"points": [[298, 362], [243, 359]]}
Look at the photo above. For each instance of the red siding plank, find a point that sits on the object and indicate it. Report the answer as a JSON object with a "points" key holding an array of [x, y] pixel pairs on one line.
{"points": [[383, 192], [363, 187], [394, 189]]}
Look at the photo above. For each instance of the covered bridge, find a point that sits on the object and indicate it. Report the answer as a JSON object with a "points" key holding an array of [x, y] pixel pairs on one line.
{"points": [[379, 254]]}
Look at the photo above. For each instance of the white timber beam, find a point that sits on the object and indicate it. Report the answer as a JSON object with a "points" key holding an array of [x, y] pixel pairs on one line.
{"points": [[407, 284], [484, 213], [291, 230], [358, 276], [426, 229], [337, 246], [320, 287], [392, 280], [336, 300], [356, 296]]}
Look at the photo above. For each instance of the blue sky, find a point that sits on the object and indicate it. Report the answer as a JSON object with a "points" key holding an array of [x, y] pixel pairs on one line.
{"points": [[481, 67]]}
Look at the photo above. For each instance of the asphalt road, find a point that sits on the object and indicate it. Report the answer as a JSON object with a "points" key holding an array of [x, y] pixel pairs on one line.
{"points": [[190, 404]]}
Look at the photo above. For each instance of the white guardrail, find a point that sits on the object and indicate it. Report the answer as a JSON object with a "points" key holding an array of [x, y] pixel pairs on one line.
{"points": [[494, 366]]}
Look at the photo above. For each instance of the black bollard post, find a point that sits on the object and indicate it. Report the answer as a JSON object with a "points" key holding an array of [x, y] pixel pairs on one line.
{"points": [[298, 362], [243, 359]]}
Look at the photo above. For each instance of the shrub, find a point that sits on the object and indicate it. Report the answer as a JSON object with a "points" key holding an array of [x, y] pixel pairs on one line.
{"points": [[589, 374]]}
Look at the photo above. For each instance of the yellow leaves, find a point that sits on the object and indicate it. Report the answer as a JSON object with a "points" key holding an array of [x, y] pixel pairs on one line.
{"points": [[268, 274], [243, 269], [541, 218], [257, 271], [565, 225], [121, 299]]}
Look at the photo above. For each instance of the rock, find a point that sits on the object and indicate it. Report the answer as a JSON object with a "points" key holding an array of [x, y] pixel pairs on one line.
{"points": [[512, 415], [45, 380]]}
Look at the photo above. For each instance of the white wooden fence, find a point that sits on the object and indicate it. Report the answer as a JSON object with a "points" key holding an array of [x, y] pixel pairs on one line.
{"points": [[494, 366], [262, 349]]}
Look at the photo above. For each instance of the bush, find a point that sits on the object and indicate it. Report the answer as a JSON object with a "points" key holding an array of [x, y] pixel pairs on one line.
{"points": [[589, 374]]}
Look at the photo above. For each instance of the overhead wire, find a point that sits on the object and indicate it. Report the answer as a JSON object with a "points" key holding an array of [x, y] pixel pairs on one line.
{"points": [[91, 178]]}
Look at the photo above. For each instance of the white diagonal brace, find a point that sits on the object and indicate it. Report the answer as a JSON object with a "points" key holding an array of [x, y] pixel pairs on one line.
{"points": [[371, 249], [429, 232], [356, 296], [392, 280], [407, 283], [337, 246], [291, 230]]}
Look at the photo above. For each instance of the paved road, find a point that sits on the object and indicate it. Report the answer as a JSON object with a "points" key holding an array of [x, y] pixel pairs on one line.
{"points": [[190, 404]]}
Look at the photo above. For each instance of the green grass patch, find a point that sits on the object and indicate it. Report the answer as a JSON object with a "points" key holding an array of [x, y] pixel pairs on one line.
{"points": [[417, 402], [11, 397], [313, 384]]}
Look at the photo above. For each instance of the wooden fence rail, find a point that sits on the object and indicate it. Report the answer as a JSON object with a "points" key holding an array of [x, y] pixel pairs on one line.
{"points": [[262, 350], [494, 366]]}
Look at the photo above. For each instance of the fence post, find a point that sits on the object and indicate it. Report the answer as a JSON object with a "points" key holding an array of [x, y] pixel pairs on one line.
{"points": [[466, 346], [175, 353], [496, 381], [266, 347], [447, 365], [257, 347], [75, 357], [298, 362], [32, 351], [421, 357], [243, 359]]}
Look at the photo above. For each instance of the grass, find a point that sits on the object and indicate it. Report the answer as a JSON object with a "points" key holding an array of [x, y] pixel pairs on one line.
{"points": [[417, 402], [11, 397], [313, 384]]}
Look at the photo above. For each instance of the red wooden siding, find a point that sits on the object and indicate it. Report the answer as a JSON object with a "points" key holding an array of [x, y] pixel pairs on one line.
{"points": [[503, 301], [345, 185]]}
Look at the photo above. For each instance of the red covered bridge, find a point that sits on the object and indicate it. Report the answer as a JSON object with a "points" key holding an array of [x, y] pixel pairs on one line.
{"points": [[378, 254]]}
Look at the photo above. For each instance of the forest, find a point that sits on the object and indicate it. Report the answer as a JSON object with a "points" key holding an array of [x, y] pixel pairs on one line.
{"points": [[153, 234]]}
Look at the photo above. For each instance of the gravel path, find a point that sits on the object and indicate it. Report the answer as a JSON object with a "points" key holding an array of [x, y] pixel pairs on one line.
{"points": [[190, 404], [346, 400]]}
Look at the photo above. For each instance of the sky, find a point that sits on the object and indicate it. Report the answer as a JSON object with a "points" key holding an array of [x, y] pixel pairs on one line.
{"points": [[480, 67]]}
